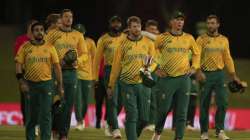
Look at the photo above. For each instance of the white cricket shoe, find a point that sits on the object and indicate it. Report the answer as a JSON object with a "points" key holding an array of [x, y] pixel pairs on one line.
{"points": [[190, 128], [156, 137], [117, 134], [37, 129], [80, 126], [150, 127], [204, 136], [222, 135], [107, 130]]}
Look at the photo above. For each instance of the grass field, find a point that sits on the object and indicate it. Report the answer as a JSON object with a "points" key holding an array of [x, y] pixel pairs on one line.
{"points": [[17, 133]]}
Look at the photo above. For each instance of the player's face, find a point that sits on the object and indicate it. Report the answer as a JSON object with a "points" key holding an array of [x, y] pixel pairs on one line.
{"points": [[59, 23], [116, 26], [67, 19], [177, 23], [152, 29], [212, 25], [135, 28], [38, 32]]}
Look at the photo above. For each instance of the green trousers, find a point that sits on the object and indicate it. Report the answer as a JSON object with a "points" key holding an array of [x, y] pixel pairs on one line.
{"points": [[84, 89], [153, 104], [167, 88], [113, 105], [39, 100], [70, 89], [136, 100], [214, 82]]}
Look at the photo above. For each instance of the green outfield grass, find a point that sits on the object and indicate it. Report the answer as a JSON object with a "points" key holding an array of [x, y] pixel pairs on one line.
{"points": [[17, 133]]}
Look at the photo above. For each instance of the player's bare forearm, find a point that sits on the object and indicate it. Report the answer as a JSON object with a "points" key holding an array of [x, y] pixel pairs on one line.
{"points": [[19, 68]]}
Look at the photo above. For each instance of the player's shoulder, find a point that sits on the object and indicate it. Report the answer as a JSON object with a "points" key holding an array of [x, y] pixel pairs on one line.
{"points": [[223, 37], [90, 40], [203, 36], [164, 34], [26, 44], [48, 44], [103, 37], [188, 35], [75, 32], [53, 31], [147, 40]]}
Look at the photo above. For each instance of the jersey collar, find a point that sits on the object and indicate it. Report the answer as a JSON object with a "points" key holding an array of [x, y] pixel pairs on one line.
{"points": [[213, 35], [138, 39], [35, 43]]}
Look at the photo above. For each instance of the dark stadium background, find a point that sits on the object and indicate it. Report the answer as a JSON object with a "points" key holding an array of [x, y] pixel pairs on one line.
{"points": [[95, 14]]}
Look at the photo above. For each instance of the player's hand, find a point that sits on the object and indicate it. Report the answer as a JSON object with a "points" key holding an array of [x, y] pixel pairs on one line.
{"points": [[235, 78], [61, 91], [109, 93], [191, 71], [200, 76], [160, 73], [75, 64], [23, 86]]}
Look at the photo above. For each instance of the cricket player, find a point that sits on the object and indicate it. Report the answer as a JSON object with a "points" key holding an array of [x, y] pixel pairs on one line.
{"points": [[20, 40], [38, 58], [215, 55], [67, 40], [151, 26], [85, 80], [174, 73], [106, 47], [129, 59], [53, 21]]}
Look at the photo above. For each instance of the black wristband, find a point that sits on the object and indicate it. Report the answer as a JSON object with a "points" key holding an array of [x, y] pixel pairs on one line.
{"points": [[19, 76]]}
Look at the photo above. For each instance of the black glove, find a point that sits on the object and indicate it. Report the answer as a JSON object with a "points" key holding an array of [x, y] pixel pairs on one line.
{"points": [[236, 87], [58, 104], [69, 58]]}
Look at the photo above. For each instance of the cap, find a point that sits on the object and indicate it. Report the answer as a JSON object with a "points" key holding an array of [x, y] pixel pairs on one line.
{"points": [[177, 14]]}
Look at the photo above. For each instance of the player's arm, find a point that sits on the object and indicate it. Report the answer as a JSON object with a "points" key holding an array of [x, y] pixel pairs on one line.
{"points": [[58, 71], [229, 62], [200, 76], [152, 53], [92, 49], [158, 46], [82, 50], [149, 35], [116, 67], [98, 57], [196, 54], [92, 52], [19, 59]]}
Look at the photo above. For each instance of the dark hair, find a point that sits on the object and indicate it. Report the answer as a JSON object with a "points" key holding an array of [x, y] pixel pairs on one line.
{"points": [[36, 24], [66, 10], [212, 16], [133, 19], [151, 22], [52, 19], [29, 23]]}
